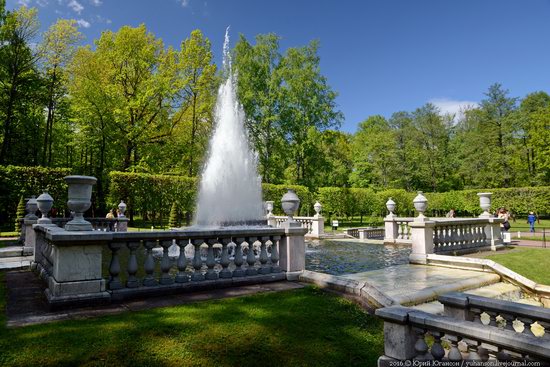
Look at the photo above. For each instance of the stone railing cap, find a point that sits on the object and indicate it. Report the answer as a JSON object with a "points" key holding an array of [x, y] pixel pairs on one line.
{"points": [[514, 308], [454, 299], [396, 314]]}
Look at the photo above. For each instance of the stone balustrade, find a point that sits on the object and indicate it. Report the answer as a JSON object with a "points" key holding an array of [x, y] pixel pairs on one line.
{"points": [[74, 264], [367, 233], [447, 236], [98, 224], [315, 225], [397, 230], [460, 235], [413, 335], [520, 318]]}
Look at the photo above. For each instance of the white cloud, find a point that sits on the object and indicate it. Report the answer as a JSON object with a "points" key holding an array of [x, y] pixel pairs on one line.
{"points": [[452, 106], [42, 3], [24, 2], [96, 2], [100, 19], [75, 6], [83, 23], [185, 3]]}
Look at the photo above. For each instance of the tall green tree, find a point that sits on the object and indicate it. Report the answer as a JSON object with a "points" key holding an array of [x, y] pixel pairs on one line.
{"points": [[57, 49], [432, 148], [259, 83], [307, 101], [19, 81], [534, 128], [196, 88], [498, 124], [137, 88], [374, 153]]}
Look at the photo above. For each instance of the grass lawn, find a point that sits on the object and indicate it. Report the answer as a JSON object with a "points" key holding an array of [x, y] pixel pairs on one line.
{"points": [[304, 327], [532, 263], [521, 225]]}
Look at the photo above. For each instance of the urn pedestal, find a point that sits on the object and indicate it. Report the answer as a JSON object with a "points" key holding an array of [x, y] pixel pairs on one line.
{"points": [[79, 200]]}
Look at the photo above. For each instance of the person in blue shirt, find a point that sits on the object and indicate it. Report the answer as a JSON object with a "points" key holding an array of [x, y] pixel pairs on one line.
{"points": [[531, 218]]}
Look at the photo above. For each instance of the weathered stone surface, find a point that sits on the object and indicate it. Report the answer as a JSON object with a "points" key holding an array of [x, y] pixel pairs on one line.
{"points": [[292, 249], [76, 263], [399, 337], [75, 288]]}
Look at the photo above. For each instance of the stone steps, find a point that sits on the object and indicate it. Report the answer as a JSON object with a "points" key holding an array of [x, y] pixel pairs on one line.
{"points": [[15, 262], [500, 290], [11, 251]]}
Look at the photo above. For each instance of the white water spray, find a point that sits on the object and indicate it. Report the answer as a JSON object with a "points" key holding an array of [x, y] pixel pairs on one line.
{"points": [[230, 190]]}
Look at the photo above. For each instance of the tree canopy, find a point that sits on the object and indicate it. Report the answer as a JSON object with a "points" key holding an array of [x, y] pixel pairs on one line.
{"points": [[130, 103]]}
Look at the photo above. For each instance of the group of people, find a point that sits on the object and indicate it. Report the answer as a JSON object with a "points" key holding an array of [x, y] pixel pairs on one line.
{"points": [[503, 213], [111, 214]]}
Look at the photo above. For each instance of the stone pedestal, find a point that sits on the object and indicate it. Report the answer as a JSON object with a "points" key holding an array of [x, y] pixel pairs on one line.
{"points": [[76, 271], [422, 241], [391, 228], [271, 221], [317, 226], [292, 248], [493, 233], [71, 263], [399, 337], [122, 224], [30, 236]]}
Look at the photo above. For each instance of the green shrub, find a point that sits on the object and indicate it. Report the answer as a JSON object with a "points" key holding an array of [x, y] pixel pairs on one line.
{"points": [[16, 181], [19, 214], [173, 221]]}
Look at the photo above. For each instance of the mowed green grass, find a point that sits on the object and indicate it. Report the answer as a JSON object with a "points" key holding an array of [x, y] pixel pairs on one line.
{"points": [[303, 327], [532, 263]]}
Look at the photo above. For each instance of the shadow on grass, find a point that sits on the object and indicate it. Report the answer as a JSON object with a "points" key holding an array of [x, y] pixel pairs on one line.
{"points": [[303, 327]]}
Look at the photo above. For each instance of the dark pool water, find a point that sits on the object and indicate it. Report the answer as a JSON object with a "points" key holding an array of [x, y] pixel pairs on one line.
{"points": [[341, 257]]}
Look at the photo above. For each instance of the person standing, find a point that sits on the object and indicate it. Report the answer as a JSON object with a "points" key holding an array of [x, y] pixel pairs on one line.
{"points": [[531, 219], [451, 214], [503, 213]]}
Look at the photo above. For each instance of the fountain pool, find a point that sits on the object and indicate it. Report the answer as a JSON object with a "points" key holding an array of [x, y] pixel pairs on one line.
{"points": [[346, 257]]}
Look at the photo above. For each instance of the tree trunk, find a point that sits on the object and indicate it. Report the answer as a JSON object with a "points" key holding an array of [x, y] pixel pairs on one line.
{"points": [[193, 133], [7, 122]]}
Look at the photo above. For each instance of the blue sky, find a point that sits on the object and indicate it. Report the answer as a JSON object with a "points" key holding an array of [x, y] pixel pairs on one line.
{"points": [[380, 56]]}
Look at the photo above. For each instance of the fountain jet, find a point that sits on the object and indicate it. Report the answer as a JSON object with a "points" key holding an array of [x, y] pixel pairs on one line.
{"points": [[230, 192]]}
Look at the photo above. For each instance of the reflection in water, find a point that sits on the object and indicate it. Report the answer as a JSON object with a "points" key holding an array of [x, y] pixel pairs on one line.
{"points": [[341, 257]]}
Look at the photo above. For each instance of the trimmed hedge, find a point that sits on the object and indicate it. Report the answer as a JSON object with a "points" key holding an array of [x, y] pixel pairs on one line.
{"points": [[16, 181], [155, 194], [346, 202]]}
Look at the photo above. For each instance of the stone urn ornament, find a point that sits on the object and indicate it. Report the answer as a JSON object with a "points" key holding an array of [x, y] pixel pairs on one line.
{"points": [[290, 203], [420, 204], [45, 203], [121, 209], [79, 200], [31, 207], [390, 205], [485, 203], [318, 207], [269, 207]]}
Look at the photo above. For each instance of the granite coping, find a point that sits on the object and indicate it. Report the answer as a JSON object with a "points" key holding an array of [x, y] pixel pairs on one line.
{"points": [[403, 284], [58, 234], [455, 262], [414, 284]]}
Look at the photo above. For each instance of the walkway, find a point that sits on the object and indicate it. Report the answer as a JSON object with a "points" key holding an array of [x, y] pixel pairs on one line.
{"points": [[26, 303]]}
